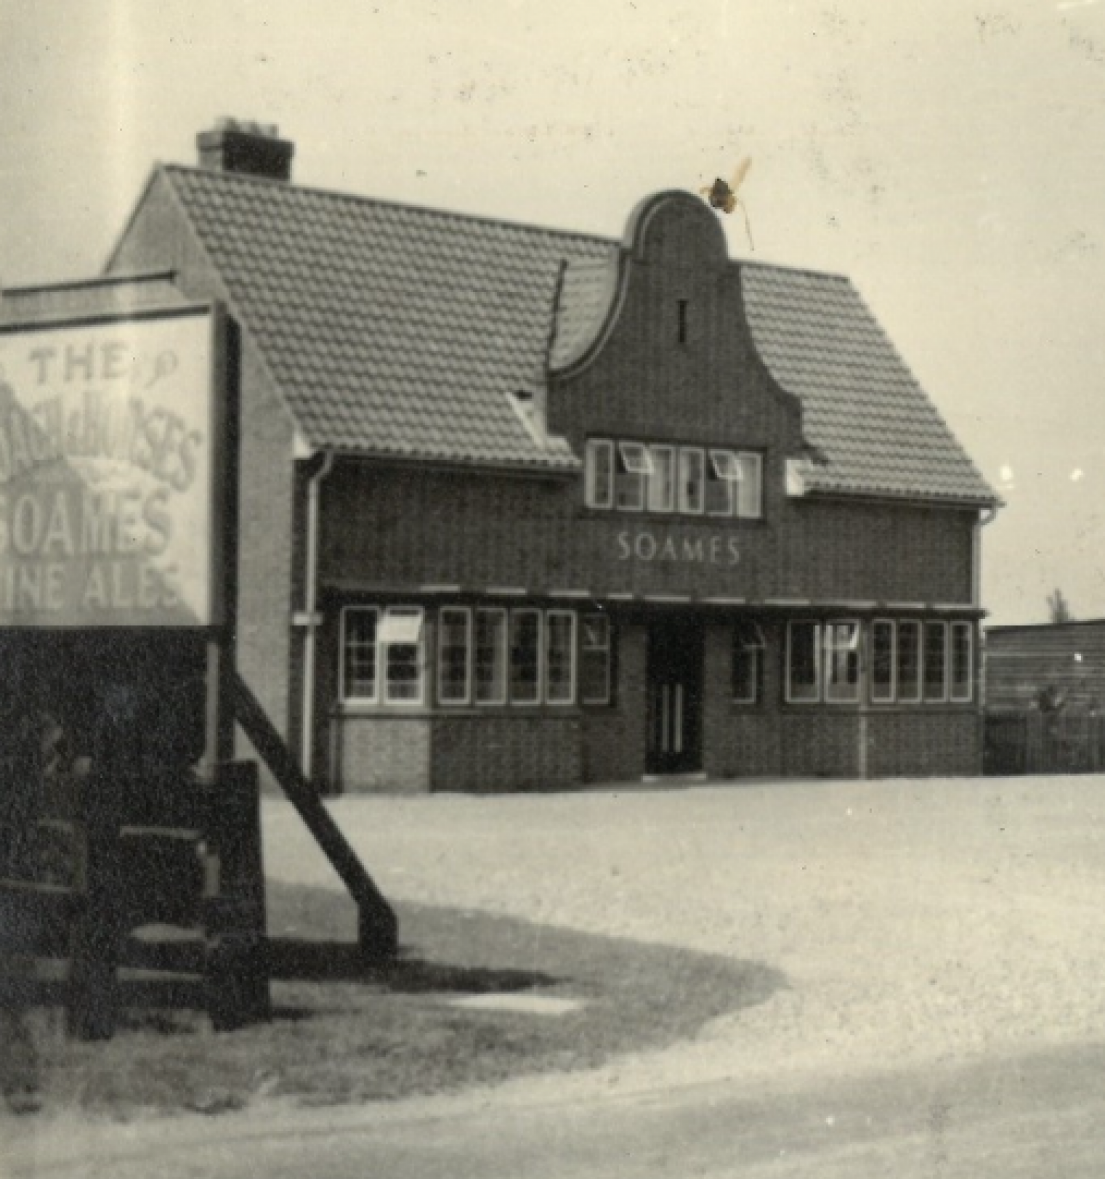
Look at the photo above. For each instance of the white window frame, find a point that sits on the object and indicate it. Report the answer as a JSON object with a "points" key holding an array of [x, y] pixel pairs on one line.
{"points": [[594, 495], [750, 485], [748, 643], [817, 657], [931, 624], [346, 614], [502, 656], [893, 690], [722, 468], [686, 454], [657, 501], [633, 460], [850, 650], [603, 649], [916, 690], [468, 647], [546, 684], [383, 648], [968, 629], [539, 674]]}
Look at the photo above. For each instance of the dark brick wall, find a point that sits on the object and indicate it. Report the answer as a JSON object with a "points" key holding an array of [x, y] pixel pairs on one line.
{"points": [[888, 552], [159, 237], [495, 754], [614, 738], [389, 526], [924, 743]]}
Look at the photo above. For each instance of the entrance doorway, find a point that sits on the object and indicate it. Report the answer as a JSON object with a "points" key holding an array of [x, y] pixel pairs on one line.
{"points": [[675, 649]]}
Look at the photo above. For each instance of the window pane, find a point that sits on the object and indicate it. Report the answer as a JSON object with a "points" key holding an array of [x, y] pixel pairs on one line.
{"points": [[490, 669], [962, 635], [525, 656], [909, 661], [882, 661], [599, 473], [404, 673], [747, 659], [936, 665], [560, 636], [842, 661], [359, 655], [454, 642], [631, 470], [719, 483], [692, 478], [661, 484], [803, 661], [401, 624], [750, 486], [594, 672]]}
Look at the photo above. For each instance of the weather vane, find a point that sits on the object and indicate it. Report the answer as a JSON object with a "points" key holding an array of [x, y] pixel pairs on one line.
{"points": [[724, 196]]}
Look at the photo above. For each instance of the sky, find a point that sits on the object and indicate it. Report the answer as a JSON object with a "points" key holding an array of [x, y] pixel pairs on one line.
{"points": [[948, 156]]}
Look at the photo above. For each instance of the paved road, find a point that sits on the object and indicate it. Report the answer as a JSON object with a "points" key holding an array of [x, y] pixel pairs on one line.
{"points": [[1035, 1115]]}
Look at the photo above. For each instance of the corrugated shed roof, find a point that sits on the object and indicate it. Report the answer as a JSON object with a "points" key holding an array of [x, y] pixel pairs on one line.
{"points": [[399, 330]]}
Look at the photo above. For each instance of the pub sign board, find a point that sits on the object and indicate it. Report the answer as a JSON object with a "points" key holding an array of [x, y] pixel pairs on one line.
{"points": [[111, 456]]}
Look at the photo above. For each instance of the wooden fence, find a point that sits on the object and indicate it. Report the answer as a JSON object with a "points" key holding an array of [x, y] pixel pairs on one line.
{"points": [[1044, 743], [135, 890]]}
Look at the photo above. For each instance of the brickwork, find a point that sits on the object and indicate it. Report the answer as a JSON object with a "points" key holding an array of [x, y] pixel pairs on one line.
{"points": [[158, 238], [392, 526], [677, 365], [497, 754], [741, 740], [820, 743], [926, 743], [377, 753], [614, 738]]}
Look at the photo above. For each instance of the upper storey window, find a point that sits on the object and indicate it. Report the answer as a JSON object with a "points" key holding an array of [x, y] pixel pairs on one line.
{"points": [[688, 480]]}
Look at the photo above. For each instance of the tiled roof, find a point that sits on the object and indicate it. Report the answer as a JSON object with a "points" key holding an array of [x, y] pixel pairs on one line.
{"points": [[390, 329], [862, 408], [586, 294], [393, 329]]}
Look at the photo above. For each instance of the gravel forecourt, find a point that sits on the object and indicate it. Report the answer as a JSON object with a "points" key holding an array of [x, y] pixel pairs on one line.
{"points": [[913, 920]]}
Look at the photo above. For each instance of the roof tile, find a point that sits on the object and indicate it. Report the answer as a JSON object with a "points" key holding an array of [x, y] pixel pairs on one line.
{"points": [[400, 330]]}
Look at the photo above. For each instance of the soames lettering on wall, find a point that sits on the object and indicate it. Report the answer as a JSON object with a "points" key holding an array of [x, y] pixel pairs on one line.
{"points": [[712, 549]]}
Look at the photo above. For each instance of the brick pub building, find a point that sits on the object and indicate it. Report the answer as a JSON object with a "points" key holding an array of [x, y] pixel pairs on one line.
{"points": [[530, 509]]}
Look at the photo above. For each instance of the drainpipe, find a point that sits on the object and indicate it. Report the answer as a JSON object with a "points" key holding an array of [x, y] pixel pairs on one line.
{"points": [[985, 516], [310, 611]]}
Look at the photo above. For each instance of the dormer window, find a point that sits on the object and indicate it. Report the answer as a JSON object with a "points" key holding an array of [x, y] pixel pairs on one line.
{"points": [[662, 478], [631, 472], [692, 480]]}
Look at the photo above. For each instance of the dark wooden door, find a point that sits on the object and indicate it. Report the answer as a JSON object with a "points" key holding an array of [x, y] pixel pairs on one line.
{"points": [[675, 696]]}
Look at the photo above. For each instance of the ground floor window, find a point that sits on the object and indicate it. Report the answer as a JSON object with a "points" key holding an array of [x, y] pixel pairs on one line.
{"points": [[595, 666], [823, 662], [383, 656], [804, 662], [748, 651], [489, 657], [484, 656], [908, 661], [962, 644]]}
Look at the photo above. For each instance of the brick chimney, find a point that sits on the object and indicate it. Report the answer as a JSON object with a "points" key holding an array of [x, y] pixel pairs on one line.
{"points": [[254, 149]]}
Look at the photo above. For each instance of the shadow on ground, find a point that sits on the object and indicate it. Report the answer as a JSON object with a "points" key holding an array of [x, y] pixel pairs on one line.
{"points": [[327, 961], [344, 1031]]}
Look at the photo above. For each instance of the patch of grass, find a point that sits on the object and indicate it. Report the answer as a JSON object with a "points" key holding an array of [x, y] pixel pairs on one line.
{"points": [[344, 1032]]}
